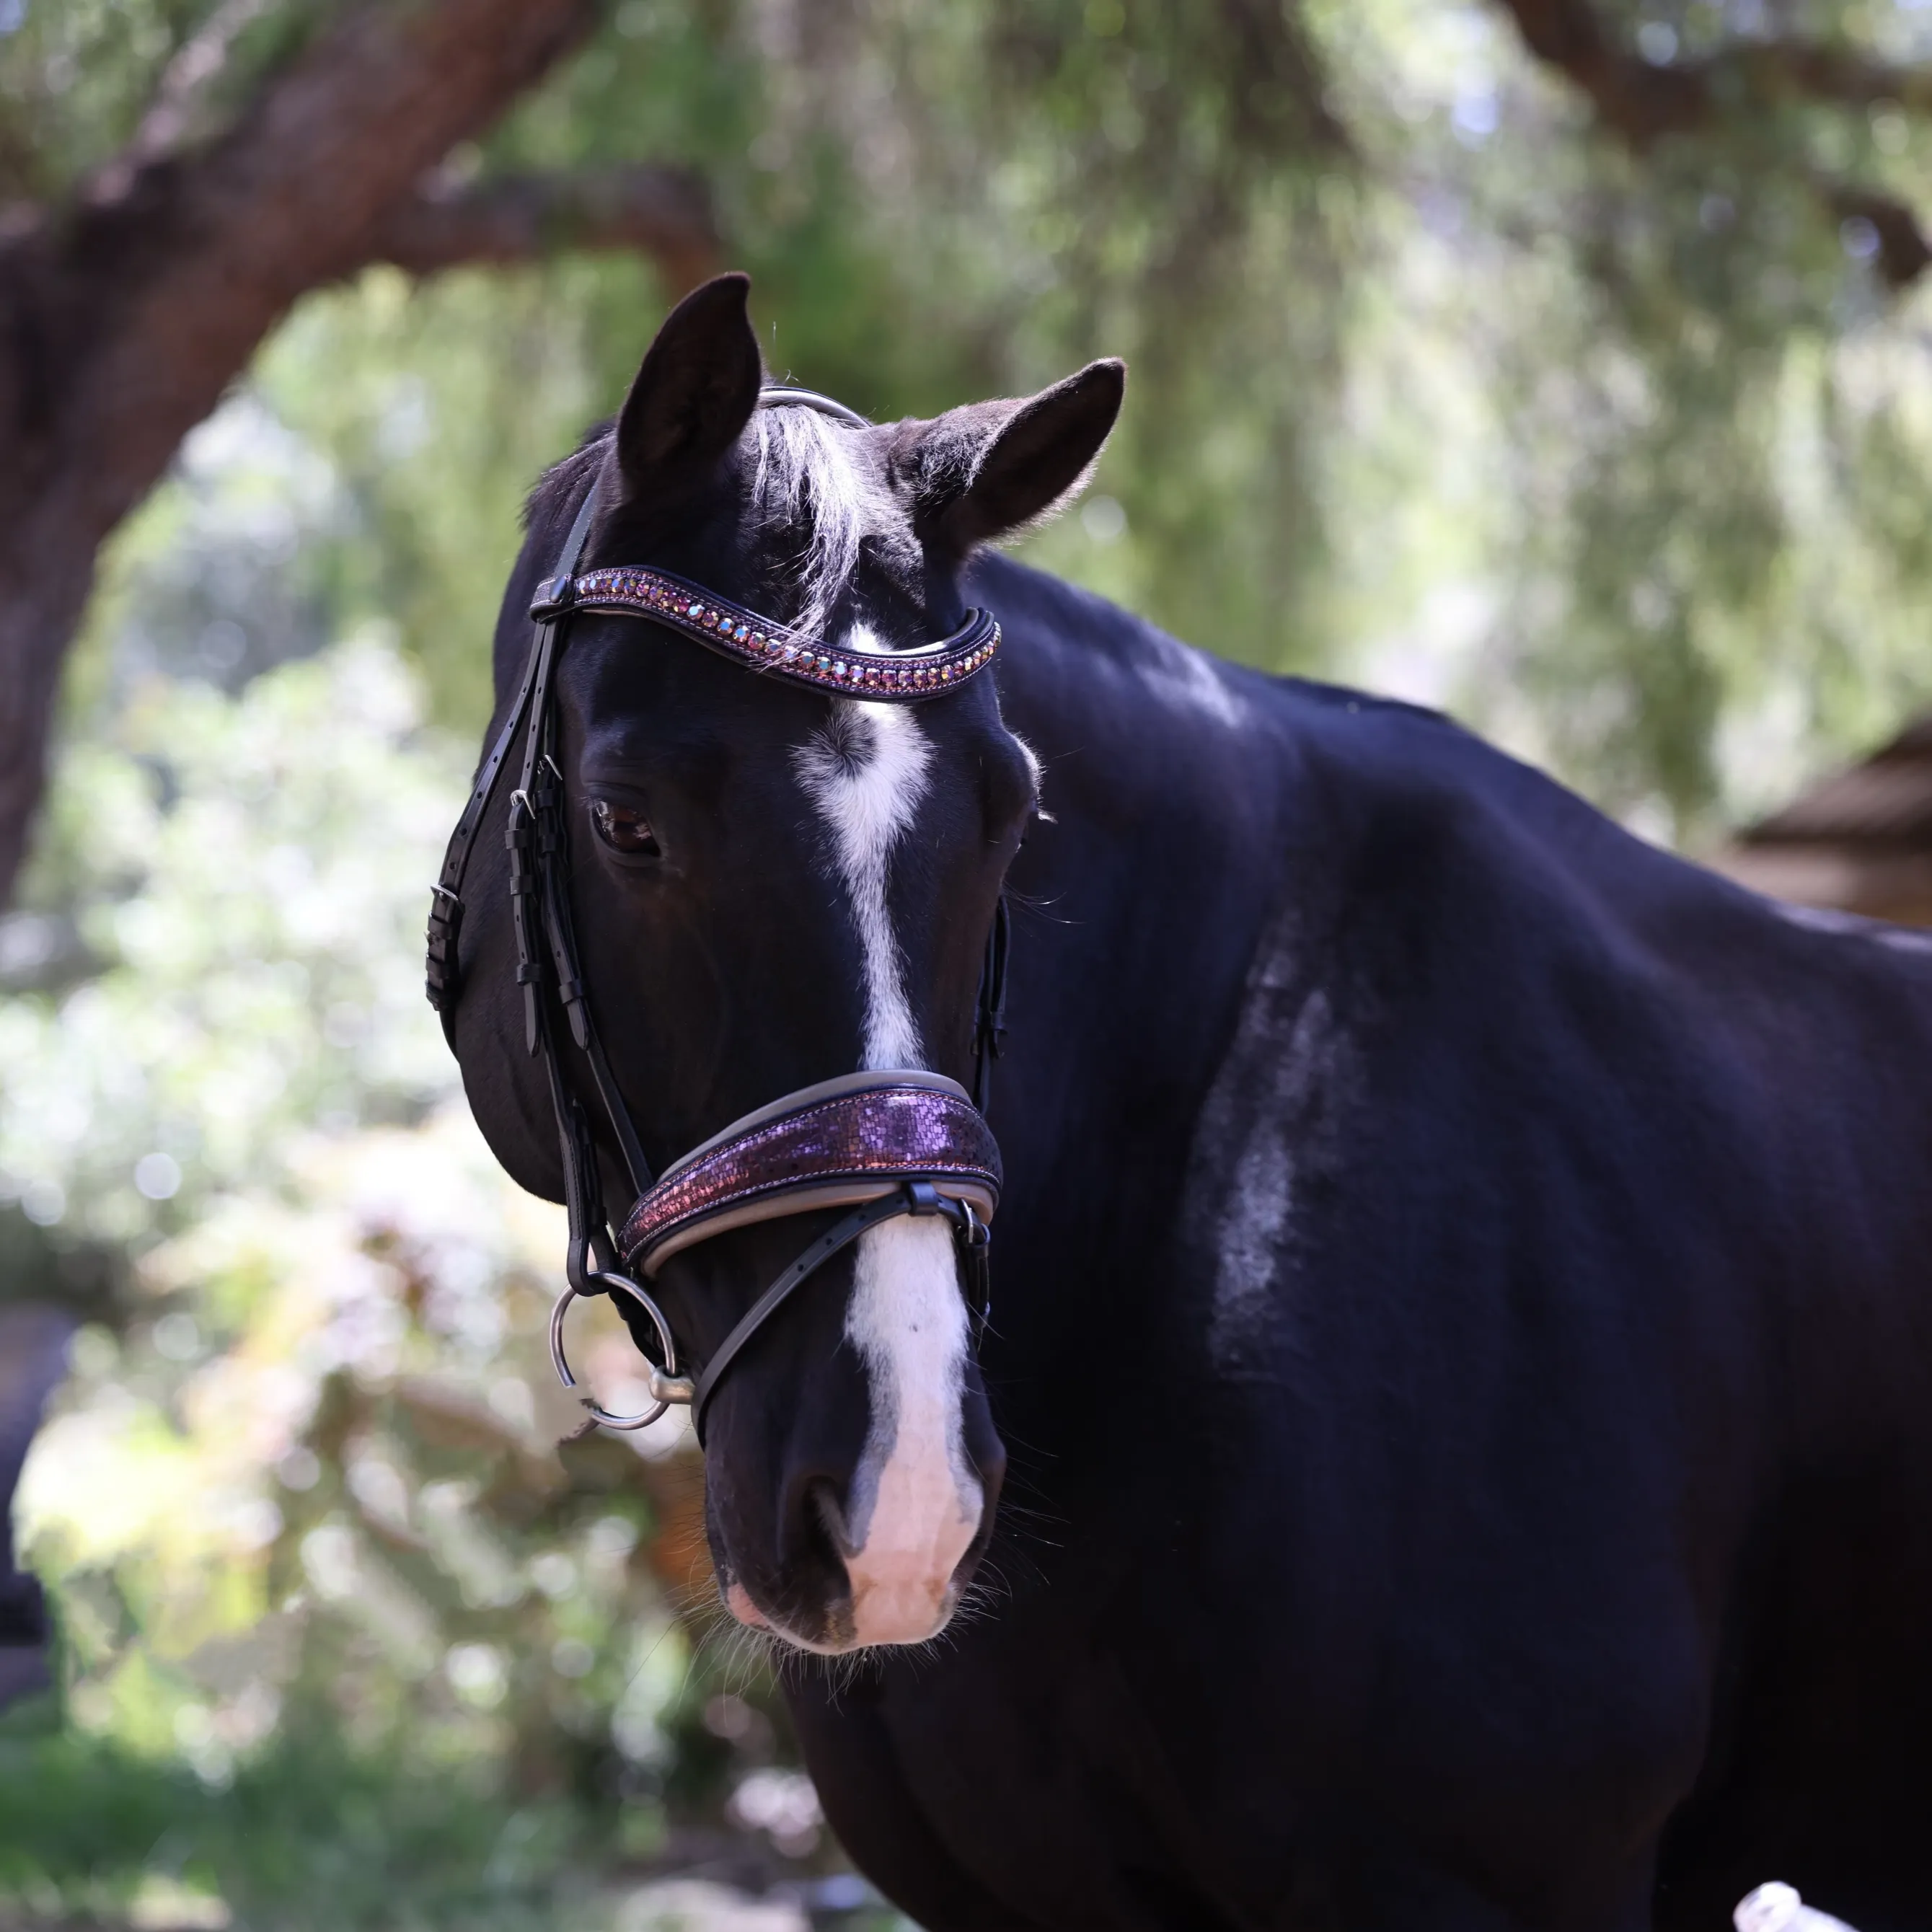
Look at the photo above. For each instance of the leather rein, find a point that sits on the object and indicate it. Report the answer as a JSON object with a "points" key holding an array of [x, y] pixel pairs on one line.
{"points": [[904, 1141]]}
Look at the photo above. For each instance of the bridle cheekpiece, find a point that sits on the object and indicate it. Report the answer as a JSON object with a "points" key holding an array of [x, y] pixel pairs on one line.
{"points": [[902, 1141]]}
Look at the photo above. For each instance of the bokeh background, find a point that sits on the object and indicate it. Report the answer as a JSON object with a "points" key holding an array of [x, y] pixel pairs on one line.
{"points": [[1578, 386]]}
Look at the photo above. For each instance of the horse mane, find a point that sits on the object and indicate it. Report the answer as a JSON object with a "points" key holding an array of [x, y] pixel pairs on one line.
{"points": [[551, 494]]}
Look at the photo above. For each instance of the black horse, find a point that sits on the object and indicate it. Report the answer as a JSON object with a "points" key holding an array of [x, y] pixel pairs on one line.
{"points": [[1460, 1326]]}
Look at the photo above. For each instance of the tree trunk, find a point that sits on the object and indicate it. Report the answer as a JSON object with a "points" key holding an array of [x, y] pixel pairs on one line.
{"points": [[123, 317]]}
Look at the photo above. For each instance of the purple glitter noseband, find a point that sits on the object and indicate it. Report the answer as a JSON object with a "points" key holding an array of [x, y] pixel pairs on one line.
{"points": [[903, 1142], [837, 1145], [877, 1144]]}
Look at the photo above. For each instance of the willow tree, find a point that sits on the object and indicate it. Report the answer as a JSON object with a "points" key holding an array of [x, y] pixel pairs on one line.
{"points": [[1668, 508]]}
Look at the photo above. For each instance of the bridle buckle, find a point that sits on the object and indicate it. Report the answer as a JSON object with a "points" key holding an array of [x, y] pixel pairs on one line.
{"points": [[924, 1198], [553, 597]]}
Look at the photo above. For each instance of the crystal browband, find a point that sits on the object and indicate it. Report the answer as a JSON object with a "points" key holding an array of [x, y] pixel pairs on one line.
{"points": [[747, 638]]}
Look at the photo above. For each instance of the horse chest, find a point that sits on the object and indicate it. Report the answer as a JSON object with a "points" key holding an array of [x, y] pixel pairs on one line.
{"points": [[1043, 1774]]}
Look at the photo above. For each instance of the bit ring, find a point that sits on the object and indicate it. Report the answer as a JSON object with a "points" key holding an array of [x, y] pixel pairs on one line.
{"points": [[667, 1386]]}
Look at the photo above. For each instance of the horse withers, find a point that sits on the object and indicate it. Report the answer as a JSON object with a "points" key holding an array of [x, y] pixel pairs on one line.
{"points": [[1449, 1447]]}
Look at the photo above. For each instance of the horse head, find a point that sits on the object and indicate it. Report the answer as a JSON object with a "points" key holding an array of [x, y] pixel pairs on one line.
{"points": [[772, 886]]}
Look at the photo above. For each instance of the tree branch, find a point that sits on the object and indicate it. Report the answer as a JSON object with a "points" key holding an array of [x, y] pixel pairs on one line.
{"points": [[123, 318], [195, 258], [1638, 101], [1642, 104], [1904, 253], [662, 212]]}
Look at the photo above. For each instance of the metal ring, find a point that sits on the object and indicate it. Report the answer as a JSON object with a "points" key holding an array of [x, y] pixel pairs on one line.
{"points": [[667, 1387]]}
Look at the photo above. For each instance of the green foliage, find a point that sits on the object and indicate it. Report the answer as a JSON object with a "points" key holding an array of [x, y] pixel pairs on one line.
{"points": [[309, 1835], [255, 977], [1433, 386], [76, 76], [1655, 514], [345, 1640]]}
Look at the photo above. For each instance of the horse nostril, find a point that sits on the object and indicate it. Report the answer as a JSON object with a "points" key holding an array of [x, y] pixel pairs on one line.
{"points": [[814, 1537], [826, 1532]]}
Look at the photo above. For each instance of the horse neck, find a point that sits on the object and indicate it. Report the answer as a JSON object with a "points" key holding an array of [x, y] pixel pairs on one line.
{"points": [[1138, 911]]}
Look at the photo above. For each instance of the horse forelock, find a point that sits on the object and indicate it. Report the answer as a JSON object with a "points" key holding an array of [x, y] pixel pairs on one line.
{"points": [[819, 488], [816, 497]]}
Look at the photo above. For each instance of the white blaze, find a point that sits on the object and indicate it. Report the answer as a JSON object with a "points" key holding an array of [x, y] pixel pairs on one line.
{"points": [[867, 776], [914, 1504]]}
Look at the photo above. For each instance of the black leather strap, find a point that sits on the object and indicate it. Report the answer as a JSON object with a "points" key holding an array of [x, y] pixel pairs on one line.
{"points": [[915, 1197], [840, 1233], [445, 912], [546, 798], [989, 1013]]}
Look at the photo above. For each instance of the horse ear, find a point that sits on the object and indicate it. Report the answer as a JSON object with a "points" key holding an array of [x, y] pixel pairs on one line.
{"points": [[698, 387], [991, 468]]}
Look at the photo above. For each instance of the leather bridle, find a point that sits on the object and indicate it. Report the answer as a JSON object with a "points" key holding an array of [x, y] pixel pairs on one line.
{"points": [[904, 1141]]}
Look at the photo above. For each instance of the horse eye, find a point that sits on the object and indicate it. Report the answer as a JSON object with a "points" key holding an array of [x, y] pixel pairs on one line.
{"points": [[622, 829]]}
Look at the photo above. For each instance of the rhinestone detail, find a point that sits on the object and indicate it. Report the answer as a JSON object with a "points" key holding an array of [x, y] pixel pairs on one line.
{"points": [[735, 632]]}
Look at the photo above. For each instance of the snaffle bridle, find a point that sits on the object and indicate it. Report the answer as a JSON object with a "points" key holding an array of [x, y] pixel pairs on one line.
{"points": [[902, 1141]]}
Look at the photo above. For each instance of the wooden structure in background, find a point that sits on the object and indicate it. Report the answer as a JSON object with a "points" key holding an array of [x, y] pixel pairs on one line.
{"points": [[1860, 841]]}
